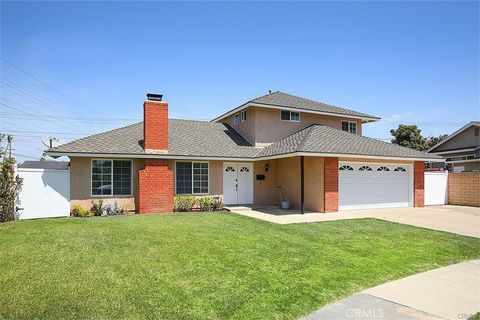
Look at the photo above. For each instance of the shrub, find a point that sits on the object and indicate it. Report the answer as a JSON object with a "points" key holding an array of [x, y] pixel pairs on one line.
{"points": [[217, 203], [115, 209], [184, 203], [205, 203], [97, 208], [78, 211]]}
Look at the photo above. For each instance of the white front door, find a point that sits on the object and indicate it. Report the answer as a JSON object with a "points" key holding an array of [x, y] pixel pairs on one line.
{"points": [[237, 183], [374, 185]]}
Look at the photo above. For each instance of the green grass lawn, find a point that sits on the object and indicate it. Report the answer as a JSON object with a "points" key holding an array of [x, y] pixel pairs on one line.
{"points": [[194, 266]]}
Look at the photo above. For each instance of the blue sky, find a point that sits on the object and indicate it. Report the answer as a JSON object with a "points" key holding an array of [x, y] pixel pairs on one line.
{"points": [[85, 67]]}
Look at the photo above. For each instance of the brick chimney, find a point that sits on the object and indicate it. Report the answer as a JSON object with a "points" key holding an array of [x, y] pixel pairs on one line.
{"points": [[155, 124]]}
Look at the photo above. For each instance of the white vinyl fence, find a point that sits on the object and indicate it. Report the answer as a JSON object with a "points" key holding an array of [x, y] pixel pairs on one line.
{"points": [[436, 188], [45, 193]]}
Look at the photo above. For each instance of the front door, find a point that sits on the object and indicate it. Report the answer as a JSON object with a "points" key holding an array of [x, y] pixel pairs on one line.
{"points": [[237, 183]]}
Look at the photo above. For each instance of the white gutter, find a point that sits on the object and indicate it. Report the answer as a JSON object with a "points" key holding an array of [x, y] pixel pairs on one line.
{"points": [[286, 155], [455, 151]]}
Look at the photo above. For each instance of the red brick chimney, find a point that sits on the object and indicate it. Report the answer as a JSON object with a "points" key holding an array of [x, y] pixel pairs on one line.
{"points": [[155, 124]]}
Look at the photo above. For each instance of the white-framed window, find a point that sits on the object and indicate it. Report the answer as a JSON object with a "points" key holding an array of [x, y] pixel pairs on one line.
{"points": [[191, 177], [111, 177], [349, 126], [236, 119], [289, 116], [243, 115]]}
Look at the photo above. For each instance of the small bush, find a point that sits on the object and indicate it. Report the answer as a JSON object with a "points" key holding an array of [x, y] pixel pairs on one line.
{"points": [[97, 208], [217, 203], [184, 203], [205, 203], [78, 211], [115, 209]]}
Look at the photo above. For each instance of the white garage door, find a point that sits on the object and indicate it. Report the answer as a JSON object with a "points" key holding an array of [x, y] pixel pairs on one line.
{"points": [[45, 193], [369, 186]]}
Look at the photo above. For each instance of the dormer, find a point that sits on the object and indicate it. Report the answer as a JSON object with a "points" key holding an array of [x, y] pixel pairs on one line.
{"points": [[276, 115]]}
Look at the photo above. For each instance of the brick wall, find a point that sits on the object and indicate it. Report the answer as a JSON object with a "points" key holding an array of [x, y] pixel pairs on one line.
{"points": [[418, 184], [330, 185], [155, 188], [155, 126], [464, 189]]}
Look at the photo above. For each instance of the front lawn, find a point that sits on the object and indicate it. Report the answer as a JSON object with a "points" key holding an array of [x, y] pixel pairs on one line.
{"points": [[210, 265]]}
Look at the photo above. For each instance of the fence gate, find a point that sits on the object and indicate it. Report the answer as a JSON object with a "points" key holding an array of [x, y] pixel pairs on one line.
{"points": [[45, 193], [436, 188]]}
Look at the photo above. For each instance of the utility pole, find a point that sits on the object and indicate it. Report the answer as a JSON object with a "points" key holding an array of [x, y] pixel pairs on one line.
{"points": [[9, 146]]}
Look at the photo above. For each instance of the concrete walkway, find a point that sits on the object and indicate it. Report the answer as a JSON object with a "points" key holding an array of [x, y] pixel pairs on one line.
{"points": [[455, 219], [451, 292]]}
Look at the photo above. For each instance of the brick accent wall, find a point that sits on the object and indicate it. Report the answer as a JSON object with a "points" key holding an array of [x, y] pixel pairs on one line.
{"points": [[155, 187], [330, 185], [418, 184], [155, 126], [464, 189]]}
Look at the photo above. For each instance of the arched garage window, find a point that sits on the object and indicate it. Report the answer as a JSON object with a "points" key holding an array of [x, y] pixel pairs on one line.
{"points": [[399, 169], [383, 169], [345, 168], [365, 168]]}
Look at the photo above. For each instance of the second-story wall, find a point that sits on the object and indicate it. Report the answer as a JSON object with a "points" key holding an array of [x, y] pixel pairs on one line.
{"points": [[264, 126]]}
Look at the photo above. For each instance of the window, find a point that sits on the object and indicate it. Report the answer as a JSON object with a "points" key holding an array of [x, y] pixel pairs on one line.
{"points": [[289, 116], [460, 158], [476, 132], [345, 168], [236, 119], [243, 115], [399, 169], [349, 126], [364, 168], [383, 169], [111, 177], [191, 177]]}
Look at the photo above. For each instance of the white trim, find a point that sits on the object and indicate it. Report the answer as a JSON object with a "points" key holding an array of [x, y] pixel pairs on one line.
{"points": [[465, 127], [242, 114], [289, 116], [254, 104], [455, 151], [206, 158], [111, 177], [349, 124], [192, 162], [239, 119]]}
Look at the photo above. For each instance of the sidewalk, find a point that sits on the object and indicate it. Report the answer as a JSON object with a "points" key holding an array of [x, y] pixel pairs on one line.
{"points": [[451, 292]]}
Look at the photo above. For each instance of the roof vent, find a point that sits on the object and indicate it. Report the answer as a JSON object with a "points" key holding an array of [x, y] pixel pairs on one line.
{"points": [[154, 96]]}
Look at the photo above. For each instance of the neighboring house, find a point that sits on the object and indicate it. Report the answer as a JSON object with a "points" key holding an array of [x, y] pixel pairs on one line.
{"points": [[316, 151], [461, 149]]}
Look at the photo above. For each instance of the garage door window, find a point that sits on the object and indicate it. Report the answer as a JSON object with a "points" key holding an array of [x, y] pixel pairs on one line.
{"points": [[345, 168], [111, 177], [364, 168], [399, 169], [383, 169]]}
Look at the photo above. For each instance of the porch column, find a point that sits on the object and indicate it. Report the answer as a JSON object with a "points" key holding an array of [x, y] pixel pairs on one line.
{"points": [[302, 185], [330, 200], [418, 183]]}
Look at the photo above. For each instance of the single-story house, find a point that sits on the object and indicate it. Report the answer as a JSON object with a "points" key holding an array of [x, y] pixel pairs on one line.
{"points": [[314, 150], [461, 149]]}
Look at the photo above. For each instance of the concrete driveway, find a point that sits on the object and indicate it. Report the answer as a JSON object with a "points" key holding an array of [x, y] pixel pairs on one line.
{"points": [[454, 219]]}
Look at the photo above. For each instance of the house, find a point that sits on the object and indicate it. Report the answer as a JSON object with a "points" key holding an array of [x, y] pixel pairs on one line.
{"points": [[315, 150], [461, 149]]}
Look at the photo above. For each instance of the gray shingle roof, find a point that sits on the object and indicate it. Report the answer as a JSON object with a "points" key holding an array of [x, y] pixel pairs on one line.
{"points": [[212, 139], [322, 139], [49, 165], [186, 138], [281, 99]]}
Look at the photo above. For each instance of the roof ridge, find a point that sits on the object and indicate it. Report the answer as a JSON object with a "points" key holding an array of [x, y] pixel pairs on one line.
{"points": [[310, 127]]}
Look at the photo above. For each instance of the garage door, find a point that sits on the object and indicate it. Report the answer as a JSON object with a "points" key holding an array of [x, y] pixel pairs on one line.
{"points": [[369, 186]]}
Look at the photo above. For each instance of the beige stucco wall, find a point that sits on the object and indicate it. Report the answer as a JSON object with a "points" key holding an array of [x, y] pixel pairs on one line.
{"points": [[269, 128], [245, 128], [314, 180], [263, 125], [265, 192], [80, 185], [288, 175]]}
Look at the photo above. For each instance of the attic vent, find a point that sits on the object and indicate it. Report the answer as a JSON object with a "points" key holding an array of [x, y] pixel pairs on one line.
{"points": [[154, 96]]}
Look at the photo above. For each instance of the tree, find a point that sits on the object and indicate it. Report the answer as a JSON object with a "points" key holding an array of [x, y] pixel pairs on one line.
{"points": [[431, 141], [411, 136], [10, 184]]}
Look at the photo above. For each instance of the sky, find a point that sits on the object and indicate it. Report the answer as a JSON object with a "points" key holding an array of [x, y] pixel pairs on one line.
{"points": [[70, 69]]}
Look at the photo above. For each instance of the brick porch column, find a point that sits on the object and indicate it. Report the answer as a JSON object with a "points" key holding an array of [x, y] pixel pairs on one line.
{"points": [[155, 187], [418, 184], [330, 200]]}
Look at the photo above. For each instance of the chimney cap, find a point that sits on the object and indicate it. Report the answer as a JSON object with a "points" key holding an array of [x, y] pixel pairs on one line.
{"points": [[154, 96]]}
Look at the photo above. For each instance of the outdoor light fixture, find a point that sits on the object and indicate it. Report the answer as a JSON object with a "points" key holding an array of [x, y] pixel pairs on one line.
{"points": [[267, 166]]}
